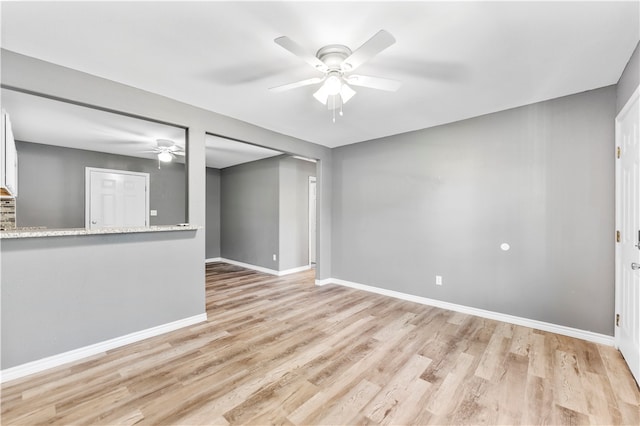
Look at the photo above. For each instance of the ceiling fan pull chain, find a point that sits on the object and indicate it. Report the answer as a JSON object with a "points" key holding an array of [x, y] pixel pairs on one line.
{"points": [[333, 110]]}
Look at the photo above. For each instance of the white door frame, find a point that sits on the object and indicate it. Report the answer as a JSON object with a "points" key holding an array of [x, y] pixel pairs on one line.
{"points": [[618, 216], [313, 210], [87, 190]]}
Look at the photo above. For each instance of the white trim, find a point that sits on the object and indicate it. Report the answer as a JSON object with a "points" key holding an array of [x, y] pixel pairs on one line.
{"points": [[260, 268], [511, 319], [313, 214], [294, 270], [618, 200], [311, 160], [250, 266], [97, 348]]}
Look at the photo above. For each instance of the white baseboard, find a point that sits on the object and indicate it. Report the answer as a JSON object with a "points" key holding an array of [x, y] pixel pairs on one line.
{"points": [[511, 319], [97, 348], [294, 270], [260, 268], [249, 266]]}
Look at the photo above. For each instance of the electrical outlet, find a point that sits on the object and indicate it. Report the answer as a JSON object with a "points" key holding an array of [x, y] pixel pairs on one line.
{"points": [[275, 257], [153, 213], [438, 279]]}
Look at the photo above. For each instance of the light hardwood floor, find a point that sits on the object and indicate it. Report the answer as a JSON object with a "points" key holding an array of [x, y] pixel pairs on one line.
{"points": [[283, 351]]}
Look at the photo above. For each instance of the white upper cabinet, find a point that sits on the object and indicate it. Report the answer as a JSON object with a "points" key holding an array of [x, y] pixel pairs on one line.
{"points": [[8, 160]]}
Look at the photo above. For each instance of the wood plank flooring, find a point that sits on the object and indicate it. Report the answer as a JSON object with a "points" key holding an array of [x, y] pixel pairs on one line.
{"points": [[283, 351]]}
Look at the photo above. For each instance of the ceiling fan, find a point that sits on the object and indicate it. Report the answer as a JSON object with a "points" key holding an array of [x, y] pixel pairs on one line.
{"points": [[166, 150], [337, 62]]}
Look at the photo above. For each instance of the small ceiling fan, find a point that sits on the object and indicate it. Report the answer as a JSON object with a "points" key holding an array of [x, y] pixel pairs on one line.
{"points": [[167, 150], [337, 62]]}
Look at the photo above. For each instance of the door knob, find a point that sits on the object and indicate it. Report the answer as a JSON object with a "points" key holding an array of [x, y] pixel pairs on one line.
{"points": [[93, 222], [635, 266]]}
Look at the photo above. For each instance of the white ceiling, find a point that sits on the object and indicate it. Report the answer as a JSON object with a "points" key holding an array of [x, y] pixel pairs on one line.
{"points": [[47, 121], [456, 59], [223, 152]]}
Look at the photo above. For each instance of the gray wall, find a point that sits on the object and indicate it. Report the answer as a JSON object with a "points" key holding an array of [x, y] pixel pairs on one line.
{"points": [[63, 293], [294, 212], [249, 212], [212, 226], [264, 211], [52, 185], [629, 80], [440, 201]]}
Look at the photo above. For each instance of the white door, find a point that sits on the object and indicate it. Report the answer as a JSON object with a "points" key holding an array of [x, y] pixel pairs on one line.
{"points": [[116, 198], [312, 220], [627, 330]]}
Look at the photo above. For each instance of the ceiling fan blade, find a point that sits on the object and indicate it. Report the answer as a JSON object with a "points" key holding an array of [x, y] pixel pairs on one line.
{"points": [[374, 82], [180, 153], [376, 44], [165, 143], [301, 52], [126, 142], [297, 84]]}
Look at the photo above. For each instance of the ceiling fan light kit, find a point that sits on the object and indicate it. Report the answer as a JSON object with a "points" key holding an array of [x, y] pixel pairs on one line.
{"points": [[165, 157], [333, 83], [335, 61], [166, 150]]}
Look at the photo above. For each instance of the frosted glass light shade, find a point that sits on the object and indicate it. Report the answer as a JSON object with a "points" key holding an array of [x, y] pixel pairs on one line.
{"points": [[333, 85], [346, 93], [165, 157]]}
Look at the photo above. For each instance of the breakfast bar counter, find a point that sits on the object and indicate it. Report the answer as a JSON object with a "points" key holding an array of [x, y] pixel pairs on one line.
{"points": [[37, 232]]}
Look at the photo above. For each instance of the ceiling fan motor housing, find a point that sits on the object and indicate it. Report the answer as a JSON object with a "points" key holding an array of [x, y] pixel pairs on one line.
{"points": [[165, 143], [333, 55]]}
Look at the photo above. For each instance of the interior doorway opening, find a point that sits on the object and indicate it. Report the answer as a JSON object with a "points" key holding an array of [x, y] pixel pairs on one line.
{"points": [[312, 220], [261, 207]]}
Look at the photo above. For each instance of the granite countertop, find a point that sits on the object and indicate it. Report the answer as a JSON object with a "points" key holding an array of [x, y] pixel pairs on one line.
{"points": [[37, 232]]}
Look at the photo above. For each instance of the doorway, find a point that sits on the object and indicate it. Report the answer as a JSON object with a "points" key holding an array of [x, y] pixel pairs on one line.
{"points": [[116, 198], [258, 207], [627, 321], [312, 220]]}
